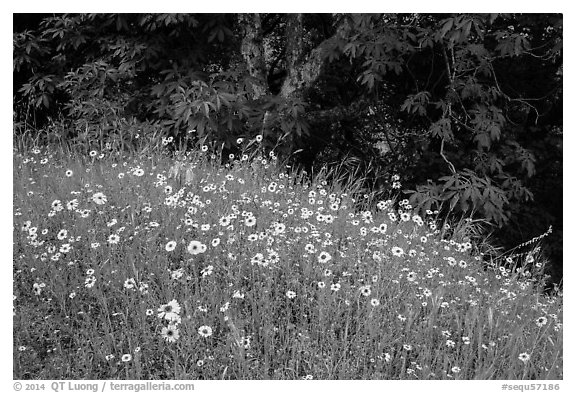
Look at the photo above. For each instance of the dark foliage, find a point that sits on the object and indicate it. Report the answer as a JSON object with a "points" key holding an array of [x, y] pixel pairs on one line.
{"points": [[467, 108]]}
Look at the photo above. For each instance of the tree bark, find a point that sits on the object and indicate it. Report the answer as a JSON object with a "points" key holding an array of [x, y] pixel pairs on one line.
{"points": [[252, 50], [303, 70]]}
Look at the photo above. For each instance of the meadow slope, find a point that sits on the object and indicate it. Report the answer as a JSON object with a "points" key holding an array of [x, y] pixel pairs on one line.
{"points": [[247, 272]]}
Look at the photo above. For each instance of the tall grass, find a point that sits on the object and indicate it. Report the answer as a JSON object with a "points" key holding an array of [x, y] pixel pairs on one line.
{"points": [[249, 272]]}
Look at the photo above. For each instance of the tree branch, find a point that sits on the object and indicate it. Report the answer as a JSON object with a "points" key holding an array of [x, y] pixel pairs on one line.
{"points": [[450, 165], [303, 70], [451, 77], [510, 99]]}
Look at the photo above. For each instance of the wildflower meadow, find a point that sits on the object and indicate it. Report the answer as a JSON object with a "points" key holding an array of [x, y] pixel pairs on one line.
{"points": [[127, 268]]}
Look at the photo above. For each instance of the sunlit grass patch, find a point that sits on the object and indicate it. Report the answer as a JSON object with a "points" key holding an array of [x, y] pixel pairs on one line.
{"points": [[248, 272]]}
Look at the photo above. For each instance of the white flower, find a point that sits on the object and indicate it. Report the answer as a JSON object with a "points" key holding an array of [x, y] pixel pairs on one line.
{"points": [[397, 251], [541, 321], [170, 246], [207, 271], [324, 257], [130, 283], [195, 247], [170, 333], [205, 331], [169, 311], [99, 198], [524, 357]]}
